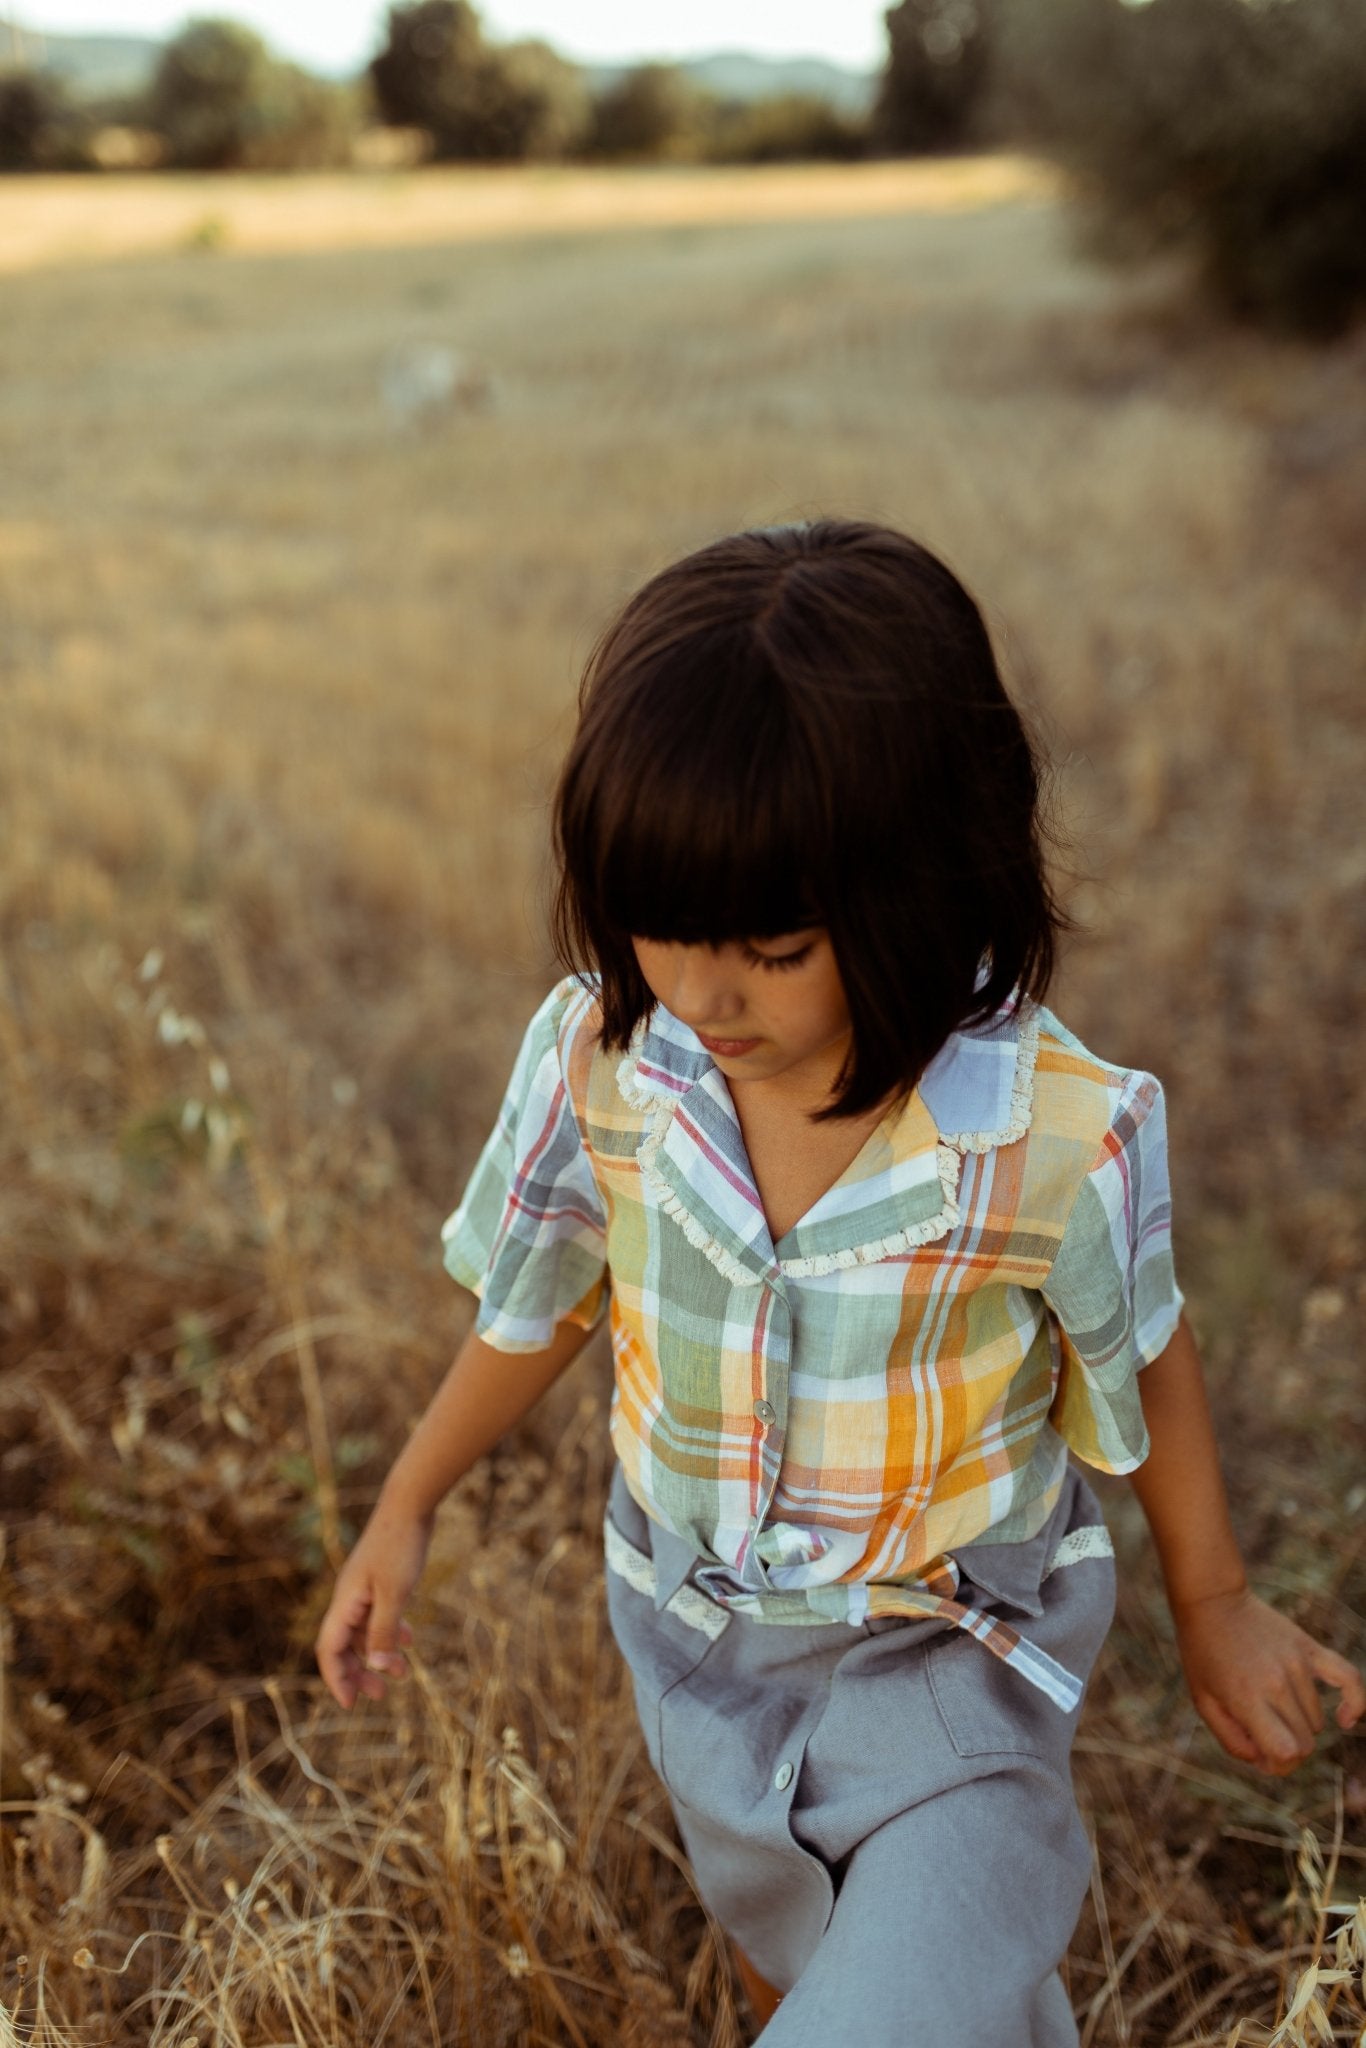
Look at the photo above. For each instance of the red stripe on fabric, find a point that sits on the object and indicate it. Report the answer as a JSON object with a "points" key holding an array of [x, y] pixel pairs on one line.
{"points": [[661, 1074], [520, 1179], [726, 1171], [553, 1215]]}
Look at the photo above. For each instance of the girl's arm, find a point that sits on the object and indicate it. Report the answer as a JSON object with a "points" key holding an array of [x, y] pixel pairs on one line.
{"points": [[482, 1396], [1251, 1671]]}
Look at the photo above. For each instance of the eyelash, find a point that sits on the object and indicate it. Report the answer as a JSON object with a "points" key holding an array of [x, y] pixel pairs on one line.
{"points": [[775, 961]]}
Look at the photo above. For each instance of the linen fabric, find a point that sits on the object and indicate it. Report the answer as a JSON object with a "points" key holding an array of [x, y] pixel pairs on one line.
{"points": [[835, 1787], [832, 1423]]}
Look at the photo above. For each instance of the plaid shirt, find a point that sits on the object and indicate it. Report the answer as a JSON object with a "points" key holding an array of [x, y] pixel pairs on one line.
{"points": [[832, 1421]]}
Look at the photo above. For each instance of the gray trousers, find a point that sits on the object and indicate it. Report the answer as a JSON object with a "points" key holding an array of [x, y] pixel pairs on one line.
{"points": [[882, 1816]]}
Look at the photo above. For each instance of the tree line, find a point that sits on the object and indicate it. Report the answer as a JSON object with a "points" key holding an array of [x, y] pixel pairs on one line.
{"points": [[1233, 128], [221, 99]]}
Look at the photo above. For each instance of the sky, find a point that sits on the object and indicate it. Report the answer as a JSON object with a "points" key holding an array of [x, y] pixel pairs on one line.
{"points": [[341, 35]]}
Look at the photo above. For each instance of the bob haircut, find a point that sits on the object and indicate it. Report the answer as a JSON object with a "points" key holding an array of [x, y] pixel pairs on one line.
{"points": [[802, 726]]}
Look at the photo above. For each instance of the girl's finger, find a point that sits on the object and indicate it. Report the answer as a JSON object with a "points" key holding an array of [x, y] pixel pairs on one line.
{"points": [[382, 1638], [334, 1634], [1306, 1696], [339, 1669], [1281, 1743], [340, 1622], [1330, 1669], [1230, 1733], [341, 1629]]}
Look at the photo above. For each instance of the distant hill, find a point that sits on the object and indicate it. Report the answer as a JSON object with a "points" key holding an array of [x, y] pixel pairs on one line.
{"points": [[92, 66], [736, 75], [99, 64]]}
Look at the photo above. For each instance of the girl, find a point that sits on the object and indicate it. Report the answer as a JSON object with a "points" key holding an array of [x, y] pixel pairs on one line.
{"points": [[881, 1243]]}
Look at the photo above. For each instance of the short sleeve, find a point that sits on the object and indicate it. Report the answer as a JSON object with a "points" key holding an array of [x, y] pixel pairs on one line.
{"points": [[1112, 1287], [529, 1236]]}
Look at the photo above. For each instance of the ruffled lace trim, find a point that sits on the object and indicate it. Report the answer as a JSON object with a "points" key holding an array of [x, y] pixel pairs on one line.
{"points": [[638, 1097], [949, 1162], [696, 1232], [1021, 1095], [638, 1570]]}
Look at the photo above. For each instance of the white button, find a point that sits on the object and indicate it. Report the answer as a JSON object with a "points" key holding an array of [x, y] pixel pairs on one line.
{"points": [[782, 1777], [765, 1411]]}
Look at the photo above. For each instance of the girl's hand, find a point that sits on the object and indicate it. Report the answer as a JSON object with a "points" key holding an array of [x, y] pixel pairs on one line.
{"points": [[362, 1630], [1252, 1674]]}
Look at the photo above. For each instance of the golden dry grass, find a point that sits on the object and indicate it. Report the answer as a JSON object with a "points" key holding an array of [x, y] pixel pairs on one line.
{"points": [[284, 690], [46, 220]]}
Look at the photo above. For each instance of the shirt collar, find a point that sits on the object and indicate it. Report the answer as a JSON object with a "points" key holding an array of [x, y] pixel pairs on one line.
{"points": [[900, 1191]]}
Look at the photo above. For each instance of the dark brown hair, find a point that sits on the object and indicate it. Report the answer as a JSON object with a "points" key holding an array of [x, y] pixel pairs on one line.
{"points": [[804, 725]]}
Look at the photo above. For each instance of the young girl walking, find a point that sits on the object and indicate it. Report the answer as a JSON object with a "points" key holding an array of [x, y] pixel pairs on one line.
{"points": [[881, 1242]]}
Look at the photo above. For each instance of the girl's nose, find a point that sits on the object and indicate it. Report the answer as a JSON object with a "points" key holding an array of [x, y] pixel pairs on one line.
{"points": [[704, 995]]}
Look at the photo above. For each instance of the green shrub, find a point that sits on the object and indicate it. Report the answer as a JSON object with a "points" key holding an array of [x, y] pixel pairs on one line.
{"points": [[1234, 129], [305, 123], [40, 128], [787, 127], [651, 111]]}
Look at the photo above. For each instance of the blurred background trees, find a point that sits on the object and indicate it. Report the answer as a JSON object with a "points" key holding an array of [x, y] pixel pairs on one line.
{"points": [[41, 129], [220, 100], [1233, 131], [652, 110], [478, 101], [933, 92], [786, 127]]}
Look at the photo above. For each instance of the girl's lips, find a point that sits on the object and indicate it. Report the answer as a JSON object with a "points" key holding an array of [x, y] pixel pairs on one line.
{"points": [[733, 1046]]}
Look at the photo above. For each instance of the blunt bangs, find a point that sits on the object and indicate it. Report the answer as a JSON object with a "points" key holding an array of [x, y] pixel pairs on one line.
{"points": [[799, 727], [706, 833]]}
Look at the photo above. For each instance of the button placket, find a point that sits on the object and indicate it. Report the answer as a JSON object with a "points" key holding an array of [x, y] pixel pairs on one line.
{"points": [[769, 1412]]}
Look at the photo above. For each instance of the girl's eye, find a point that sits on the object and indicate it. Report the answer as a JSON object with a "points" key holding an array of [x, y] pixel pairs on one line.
{"points": [[774, 961]]}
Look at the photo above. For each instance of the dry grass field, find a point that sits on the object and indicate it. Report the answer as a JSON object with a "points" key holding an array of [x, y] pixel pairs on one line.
{"points": [[285, 678]]}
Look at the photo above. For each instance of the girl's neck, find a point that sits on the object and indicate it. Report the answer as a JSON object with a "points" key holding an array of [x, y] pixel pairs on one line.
{"points": [[794, 1162]]}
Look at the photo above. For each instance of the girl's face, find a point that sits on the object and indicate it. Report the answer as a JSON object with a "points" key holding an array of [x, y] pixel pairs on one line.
{"points": [[762, 1007]]}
